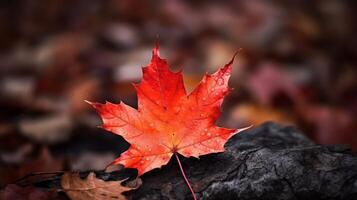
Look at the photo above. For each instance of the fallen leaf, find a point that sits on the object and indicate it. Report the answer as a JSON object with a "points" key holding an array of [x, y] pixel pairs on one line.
{"points": [[167, 120], [92, 187]]}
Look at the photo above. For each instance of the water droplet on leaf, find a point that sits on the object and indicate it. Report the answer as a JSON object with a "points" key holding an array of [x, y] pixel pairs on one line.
{"points": [[220, 81]]}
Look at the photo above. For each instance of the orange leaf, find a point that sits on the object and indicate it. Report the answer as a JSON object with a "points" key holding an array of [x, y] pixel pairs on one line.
{"points": [[92, 187], [167, 120]]}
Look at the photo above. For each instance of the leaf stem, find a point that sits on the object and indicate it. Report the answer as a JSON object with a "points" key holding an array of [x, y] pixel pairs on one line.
{"points": [[184, 176]]}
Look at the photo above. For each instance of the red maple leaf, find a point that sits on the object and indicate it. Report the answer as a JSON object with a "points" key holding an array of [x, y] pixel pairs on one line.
{"points": [[168, 121]]}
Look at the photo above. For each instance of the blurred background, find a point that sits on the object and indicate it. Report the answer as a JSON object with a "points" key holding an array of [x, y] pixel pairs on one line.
{"points": [[297, 67]]}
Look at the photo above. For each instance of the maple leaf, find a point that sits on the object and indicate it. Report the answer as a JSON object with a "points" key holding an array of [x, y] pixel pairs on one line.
{"points": [[168, 121], [92, 187]]}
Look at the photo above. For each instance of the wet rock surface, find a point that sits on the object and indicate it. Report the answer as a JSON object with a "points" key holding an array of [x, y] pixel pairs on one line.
{"points": [[266, 162]]}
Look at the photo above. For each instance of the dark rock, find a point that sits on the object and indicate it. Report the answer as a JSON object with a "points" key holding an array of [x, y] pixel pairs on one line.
{"points": [[266, 162]]}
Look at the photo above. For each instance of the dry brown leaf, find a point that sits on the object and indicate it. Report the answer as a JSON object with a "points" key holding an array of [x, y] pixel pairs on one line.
{"points": [[92, 187]]}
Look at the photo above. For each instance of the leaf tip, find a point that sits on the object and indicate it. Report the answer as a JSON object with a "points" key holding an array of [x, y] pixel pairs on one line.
{"points": [[110, 164], [155, 51], [245, 128], [234, 56], [88, 102], [93, 104]]}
